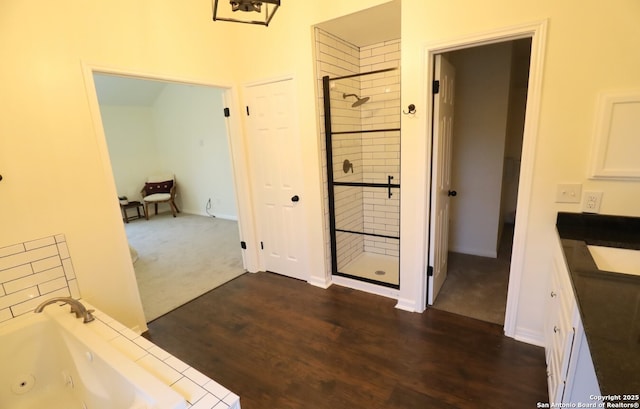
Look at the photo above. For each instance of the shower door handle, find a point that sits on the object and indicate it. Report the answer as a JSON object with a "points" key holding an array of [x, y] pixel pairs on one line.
{"points": [[295, 198], [389, 179]]}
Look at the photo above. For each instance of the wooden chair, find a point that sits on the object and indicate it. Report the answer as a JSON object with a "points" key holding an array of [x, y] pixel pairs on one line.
{"points": [[159, 189]]}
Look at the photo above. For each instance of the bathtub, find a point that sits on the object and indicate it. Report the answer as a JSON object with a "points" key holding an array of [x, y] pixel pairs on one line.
{"points": [[52, 360]]}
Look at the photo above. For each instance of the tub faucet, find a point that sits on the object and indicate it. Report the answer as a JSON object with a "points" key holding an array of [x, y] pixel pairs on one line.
{"points": [[76, 307]]}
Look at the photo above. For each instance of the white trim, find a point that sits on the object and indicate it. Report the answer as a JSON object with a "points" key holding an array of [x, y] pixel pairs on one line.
{"points": [[407, 304], [603, 167], [537, 32], [130, 73], [234, 135], [318, 282], [529, 336]]}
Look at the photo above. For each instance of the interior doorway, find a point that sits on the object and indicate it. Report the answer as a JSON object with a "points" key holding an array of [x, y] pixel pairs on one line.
{"points": [[156, 127], [486, 147]]}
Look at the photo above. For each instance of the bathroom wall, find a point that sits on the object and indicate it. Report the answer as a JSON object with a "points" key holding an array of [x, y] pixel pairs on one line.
{"points": [[34, 271]]}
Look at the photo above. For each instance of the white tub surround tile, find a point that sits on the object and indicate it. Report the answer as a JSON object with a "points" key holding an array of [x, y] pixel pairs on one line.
{"points": [[34, 271], [200, 391]]}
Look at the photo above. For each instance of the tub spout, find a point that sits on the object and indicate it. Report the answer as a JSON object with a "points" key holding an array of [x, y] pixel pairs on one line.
{"points": [[76, 307]]}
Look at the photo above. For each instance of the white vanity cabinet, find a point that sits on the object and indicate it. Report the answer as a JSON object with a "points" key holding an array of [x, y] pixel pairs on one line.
{"points": [[570, 373]]}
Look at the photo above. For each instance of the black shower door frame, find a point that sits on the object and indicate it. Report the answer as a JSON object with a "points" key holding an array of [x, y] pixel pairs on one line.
{"points": [[331, 183]]}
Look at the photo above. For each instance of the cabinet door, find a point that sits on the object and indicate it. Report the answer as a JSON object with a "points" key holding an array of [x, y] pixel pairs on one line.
{"points": [[581, 375]]}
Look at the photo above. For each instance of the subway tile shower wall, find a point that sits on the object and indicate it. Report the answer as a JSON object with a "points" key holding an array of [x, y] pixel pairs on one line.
{"points": [[374, 155], [32, 272]]}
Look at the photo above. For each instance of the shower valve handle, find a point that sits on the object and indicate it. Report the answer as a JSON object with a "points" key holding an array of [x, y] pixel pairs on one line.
{"points": [[295, 198]]}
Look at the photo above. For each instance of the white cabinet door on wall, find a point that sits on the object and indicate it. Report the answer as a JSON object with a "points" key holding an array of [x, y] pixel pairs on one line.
{"points": [[276, 167]]}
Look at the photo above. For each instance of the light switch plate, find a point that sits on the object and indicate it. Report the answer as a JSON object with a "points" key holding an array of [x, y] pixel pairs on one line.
{"points": [[591, 202], [569, 193]]}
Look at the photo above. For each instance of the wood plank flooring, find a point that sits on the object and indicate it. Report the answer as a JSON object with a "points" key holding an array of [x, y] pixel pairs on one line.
{"points": [[282, 343]]}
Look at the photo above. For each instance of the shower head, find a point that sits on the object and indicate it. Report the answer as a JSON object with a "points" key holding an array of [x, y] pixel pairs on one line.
{"points": [[359, 101]]}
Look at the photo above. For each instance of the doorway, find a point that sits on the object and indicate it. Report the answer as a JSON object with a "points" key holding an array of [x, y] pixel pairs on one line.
{"points": [[491, 95], [156, 126]]}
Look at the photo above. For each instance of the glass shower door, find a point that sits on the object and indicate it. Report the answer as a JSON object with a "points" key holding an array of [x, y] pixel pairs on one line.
{"points": [[363, 172]]}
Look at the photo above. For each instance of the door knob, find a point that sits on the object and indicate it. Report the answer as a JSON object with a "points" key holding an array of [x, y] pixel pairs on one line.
{"points": [[452, 193], [295, 198]]}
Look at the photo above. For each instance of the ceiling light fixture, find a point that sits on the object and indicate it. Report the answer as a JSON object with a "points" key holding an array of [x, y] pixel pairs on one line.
{"points": [[250, 9]]}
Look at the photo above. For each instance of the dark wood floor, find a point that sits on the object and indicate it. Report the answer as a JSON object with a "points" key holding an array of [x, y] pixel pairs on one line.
{"points": [[282, 343]]}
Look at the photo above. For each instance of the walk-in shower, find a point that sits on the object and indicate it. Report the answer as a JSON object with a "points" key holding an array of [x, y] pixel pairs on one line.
{"points": [[363, 175]]}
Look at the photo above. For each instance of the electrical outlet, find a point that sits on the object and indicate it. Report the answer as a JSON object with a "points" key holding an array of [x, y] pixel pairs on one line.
{"points": [[568, 193], [591, 202]]}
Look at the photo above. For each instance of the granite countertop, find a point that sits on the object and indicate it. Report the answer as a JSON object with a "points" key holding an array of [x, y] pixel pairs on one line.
{"points": [[609, 303]]}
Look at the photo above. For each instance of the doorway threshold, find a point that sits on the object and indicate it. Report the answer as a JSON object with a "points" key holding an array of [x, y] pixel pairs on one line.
{"points": [[366, 287]]}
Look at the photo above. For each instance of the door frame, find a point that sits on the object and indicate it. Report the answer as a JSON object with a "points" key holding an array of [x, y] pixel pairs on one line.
{"points": [[537, 32], [235, 138]]}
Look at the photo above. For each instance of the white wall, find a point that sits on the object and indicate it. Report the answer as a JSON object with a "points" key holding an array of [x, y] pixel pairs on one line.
{"points": [[479, 132], [192, 144], [132, 146]]}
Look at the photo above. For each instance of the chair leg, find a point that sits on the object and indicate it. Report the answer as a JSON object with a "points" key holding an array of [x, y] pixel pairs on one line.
{"points": [[174, 208], [156, 207], [146, 210]]}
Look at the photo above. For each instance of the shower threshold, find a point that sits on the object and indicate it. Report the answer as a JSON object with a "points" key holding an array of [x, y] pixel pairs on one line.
{"points": [[369, 266]]}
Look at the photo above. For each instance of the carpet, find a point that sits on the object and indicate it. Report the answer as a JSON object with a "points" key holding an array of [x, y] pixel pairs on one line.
{"points": [[181, 258]]}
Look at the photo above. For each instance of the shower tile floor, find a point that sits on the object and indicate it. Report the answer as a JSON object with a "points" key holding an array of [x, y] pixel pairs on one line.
{"points": [[366, 264]]}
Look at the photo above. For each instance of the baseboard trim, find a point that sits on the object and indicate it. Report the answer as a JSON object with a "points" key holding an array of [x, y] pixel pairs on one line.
{"points": [[217, 216], [474, 252], [405, 304], [320, 282], [529, 336]]}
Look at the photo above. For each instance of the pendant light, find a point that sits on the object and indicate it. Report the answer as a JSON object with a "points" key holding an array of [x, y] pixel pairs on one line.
{"points": [[245, 11]]}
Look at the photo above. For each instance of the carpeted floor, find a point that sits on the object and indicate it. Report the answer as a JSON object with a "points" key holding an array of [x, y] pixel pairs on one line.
{"points": [[476, 286], [182, 258]]}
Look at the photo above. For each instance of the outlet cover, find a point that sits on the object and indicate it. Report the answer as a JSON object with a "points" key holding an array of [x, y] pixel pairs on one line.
{"points": [[591, 202], [568, 193]]}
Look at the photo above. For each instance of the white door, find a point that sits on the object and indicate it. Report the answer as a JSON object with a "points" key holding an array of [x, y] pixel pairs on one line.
{"points": [[441, 192], [274, 150]]}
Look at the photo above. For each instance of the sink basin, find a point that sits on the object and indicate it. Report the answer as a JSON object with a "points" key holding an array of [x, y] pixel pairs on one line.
{"points": [[616, 260]]}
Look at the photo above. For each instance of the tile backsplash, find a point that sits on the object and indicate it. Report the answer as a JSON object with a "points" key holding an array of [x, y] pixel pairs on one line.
{"points": [[34, 271]]}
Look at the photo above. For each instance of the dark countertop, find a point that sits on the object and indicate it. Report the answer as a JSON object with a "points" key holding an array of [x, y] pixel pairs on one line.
{"points": [[609, 303]]}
